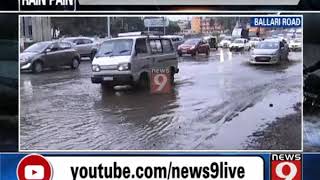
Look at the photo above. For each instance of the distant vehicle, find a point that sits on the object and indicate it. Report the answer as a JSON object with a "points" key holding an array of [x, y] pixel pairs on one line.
{"points": [[176, 40], [212, 41], [240, 33], [49, 54], [129, 60], [240, 44], [87, 47], [194, 47], [226, 42], [254, 41], [295, 45], [257, 32], [271, 51]]}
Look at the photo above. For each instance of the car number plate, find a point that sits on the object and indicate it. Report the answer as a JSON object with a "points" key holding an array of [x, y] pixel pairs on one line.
{"points": [[107, 78], [184, 51]]}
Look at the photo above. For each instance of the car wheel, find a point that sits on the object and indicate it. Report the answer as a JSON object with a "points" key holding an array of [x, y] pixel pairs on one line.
{"points": [[37, 67], [75, 63], [179, 54], [195, 53], [208, 52]]}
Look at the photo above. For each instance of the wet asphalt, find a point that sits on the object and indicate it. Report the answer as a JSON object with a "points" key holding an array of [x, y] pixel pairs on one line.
{"points": [[218, 103]]}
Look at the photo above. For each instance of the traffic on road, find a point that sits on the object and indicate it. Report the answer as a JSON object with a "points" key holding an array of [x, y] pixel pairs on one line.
{"points": [[225, 93]]}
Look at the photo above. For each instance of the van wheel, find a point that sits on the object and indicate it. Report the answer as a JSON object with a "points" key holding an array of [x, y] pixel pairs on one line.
{"points": [[37, 67], [107, 86], [172, 76], [144, 82], [75, 63]]}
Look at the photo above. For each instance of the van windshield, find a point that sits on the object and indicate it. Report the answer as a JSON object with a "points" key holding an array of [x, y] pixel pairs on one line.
{"points": [[119, 47]]}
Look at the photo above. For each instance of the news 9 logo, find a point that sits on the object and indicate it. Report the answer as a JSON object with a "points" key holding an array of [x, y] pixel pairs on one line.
{"points": [[286, 167], [161, 81]]}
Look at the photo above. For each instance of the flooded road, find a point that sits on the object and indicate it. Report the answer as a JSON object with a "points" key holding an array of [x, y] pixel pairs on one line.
{"points": [[218, 103]]}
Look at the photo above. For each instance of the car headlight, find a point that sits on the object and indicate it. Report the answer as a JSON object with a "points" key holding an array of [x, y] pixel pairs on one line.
{"points": [[95, 68], [124, 67], [24, 59]]}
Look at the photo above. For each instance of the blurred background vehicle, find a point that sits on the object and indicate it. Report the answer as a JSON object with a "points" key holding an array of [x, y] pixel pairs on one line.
{"points": [[87, 47], [295, 44], [194, 47], [226, 42], [212, 41], [254, 41], [176, 40], [240, 44]]}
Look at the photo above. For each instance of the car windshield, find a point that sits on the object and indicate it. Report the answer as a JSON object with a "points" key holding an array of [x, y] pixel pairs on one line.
{"points": [[268, 45], [37, 47], [297, 40], [238, 41], [119, 47], [254, 39], [192, 41], [70, 40]]}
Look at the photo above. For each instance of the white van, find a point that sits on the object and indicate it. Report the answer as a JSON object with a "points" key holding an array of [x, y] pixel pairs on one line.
{"points": [[129, 60]]}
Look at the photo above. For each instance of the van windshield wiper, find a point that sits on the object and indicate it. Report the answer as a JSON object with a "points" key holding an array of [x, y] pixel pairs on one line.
{"points": [[123, 51], [106, 53]]}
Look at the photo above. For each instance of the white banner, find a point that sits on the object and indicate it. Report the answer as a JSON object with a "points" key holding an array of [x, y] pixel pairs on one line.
{"points": [[164, 167]]}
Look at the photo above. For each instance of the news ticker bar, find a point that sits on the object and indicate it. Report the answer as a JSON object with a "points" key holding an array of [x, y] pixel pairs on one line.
{"points": [[156, 2], [72, 5], [242, 166], [190, 2]]}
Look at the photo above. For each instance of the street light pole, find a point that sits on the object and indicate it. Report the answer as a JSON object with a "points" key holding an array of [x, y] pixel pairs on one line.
{"points": [[108, 22], [164, 26]]}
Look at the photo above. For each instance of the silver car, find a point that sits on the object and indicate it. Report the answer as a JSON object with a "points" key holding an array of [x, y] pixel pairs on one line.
{"points": [[86, 47], [176, 40], [271, 51]]}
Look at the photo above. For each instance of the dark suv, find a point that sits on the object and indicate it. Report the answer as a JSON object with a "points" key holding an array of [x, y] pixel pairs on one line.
{"points": [[49, 54]]}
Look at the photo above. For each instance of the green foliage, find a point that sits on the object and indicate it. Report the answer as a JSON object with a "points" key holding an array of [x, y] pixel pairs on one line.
{"points": [[95, 26]]}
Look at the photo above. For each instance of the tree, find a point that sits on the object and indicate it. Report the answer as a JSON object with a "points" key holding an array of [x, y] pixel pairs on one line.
{"points": [[173, 28]]}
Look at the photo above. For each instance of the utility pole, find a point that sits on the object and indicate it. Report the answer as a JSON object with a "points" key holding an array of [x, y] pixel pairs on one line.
{"points": [[164, 26], [108, 22]]}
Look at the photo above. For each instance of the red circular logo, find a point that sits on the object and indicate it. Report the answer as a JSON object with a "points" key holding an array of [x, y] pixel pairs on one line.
{"points": [[34, 167]]}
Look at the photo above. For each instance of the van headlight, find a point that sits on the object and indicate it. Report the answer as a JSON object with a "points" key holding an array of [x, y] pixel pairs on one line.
{"points": [[124, 67], [95, 68]]}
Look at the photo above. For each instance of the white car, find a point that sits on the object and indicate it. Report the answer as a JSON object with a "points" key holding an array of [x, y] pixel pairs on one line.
{"points": [[225, 43], [240, 44], [254, 41], [130, 60], [295, 45]]}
